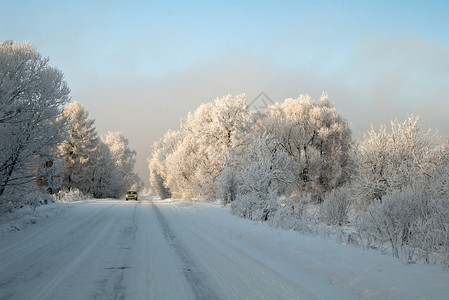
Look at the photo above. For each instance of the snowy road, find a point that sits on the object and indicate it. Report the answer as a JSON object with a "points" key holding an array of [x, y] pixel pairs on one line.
{"points": [[152, 249]]}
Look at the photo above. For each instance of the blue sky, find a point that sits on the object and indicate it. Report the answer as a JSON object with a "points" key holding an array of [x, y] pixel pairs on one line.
{"points": [[157, 60]]}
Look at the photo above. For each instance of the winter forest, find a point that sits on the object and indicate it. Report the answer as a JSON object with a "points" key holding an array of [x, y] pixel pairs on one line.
{"points": [[296, 164], [48, 146]]}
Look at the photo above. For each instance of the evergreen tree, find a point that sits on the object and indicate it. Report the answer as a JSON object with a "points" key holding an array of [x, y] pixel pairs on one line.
{"points": [[79, 149]]}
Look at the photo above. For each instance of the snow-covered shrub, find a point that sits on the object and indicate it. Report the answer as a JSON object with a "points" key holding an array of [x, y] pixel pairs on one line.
{"points": [[227, 185], [408, 221], [6, 205], [263, 170], [335, 207], [289, 213], [36, 199], [255, 205], [389, 221], [388, 161], [28, 197], [262, 165], [429, 241], [402, 184], [70, 196]]}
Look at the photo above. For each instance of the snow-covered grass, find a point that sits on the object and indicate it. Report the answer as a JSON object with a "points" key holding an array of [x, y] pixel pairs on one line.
{"points": [[41, 207], [409, 225], [366, 273], [27, 215]]}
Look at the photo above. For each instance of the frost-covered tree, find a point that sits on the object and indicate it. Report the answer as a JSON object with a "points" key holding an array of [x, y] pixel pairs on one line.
{"points": [[313, 135], [316, 137], [32, 94], [182, 167], [402, 185], [391, 160], [101, 168], [335, 207], [106, 178], [124, 160], [79, 150], [157, 163], [209, 132], [227, 184], [219, 125], [263, 171]]}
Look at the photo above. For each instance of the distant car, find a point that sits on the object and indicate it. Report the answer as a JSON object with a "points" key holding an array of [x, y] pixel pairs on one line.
{"points": [[131, 195]]}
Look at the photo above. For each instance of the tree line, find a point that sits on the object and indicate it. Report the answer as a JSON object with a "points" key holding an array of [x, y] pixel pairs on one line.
{"points": [[47, 143], [392, 185], [225, 151]]}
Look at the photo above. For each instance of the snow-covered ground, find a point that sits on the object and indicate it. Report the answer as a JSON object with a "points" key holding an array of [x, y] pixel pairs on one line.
{"points": [[153, 249]]}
